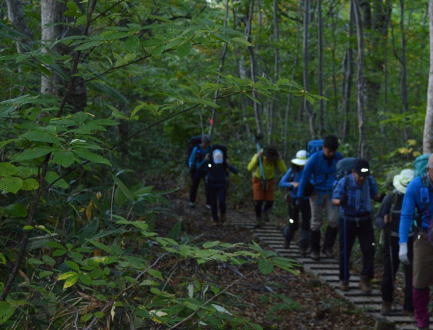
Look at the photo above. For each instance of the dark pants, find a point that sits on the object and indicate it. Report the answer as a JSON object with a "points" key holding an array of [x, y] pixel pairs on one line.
{"points": [[295, 213], [349, 231], [390, 268], [261, 207], [196, 177], [217, 199]]}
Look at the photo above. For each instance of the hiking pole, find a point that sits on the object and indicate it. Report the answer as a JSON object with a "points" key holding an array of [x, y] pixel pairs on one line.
{"points": [[261, 169]]}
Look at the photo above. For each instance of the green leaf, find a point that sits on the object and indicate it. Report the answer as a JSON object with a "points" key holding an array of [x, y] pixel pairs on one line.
{"points": [[265, 266], [155, 273], [45, 273], [30, 184], [6, 311], [32, 153], [6, 142], [41, 135], [7, 169], [2, 259], [63, 158], [53, 176], [70, 281], [72, 265], [209, 245], [91, 156], [65, 276], [16, 210], [11, 184], [59, 253], [86, 317], [48, 260]]}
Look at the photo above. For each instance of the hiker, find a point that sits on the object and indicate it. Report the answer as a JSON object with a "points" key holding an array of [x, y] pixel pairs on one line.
{"points": [[418, 207], [290, 180], [217, 181], [354, 194], [388, 218], [263, 187], [317, 181], [199, 155]]}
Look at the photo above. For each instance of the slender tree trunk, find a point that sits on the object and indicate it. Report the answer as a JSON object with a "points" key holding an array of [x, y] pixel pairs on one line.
{"points": [[361, 90], [220, 70], [276, 37], [307, 106], [403, 80], [320, 69], [51, 30], [427, 143], [347, 81], [249, 25], [19, 22]]}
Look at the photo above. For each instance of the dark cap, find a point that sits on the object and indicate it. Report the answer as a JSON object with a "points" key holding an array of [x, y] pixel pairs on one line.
{"points": [[362, 167]]}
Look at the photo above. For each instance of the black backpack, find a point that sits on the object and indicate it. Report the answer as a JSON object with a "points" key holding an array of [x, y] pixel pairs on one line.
{"points": [[193, 141]]}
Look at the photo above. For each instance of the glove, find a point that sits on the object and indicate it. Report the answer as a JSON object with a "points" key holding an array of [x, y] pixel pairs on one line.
{"points": [[402, 253]]}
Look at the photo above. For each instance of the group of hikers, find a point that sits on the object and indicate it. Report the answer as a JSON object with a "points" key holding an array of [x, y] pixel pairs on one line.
{"points": [[322, 185]]}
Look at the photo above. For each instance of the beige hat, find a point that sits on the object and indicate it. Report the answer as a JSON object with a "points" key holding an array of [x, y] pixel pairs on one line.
{"points": [[401, 181], [300, 158]]}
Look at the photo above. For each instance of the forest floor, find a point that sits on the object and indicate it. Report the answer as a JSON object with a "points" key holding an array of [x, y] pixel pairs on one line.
{"points": [[277, 301]]}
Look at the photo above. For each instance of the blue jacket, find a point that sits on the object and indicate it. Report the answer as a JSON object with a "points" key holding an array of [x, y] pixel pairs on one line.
{"points": [[196, 159], [358, 196], [288, 178], [418, 197], [320, 172]]}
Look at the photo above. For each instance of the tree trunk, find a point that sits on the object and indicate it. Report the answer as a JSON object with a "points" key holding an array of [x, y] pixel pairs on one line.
{"points": [[51, 30], [276, 38], [220, 70], [427, 143], [307, 106], [18, 21], [320, 69], [403, 80], [347, 81], [253, 68], [361, 92]]}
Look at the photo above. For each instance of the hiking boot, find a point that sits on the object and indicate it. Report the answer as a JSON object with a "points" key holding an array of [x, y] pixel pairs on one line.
{"points": [[191, 205], [344, 285], [315, 255], [386, 308], [365, 286]]}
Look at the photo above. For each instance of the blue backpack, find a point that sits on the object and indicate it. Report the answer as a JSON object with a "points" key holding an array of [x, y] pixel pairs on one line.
{"points": [[420, 164], [314, 146]]}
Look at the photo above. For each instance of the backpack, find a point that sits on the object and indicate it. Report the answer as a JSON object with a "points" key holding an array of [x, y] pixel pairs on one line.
{"points": [[193, 141], [425, 199], [420, 164], [314, 146], [345, 166]]}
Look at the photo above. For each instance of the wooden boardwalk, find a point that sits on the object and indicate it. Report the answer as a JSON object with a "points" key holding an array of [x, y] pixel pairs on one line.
{"points": [[326, 270]]}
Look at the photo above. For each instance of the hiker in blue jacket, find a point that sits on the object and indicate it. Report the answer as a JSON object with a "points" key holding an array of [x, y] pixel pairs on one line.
{"points": [[418, 200], [290, 181], [217, 181], [319, 177], [200, 155], [354, 193]]}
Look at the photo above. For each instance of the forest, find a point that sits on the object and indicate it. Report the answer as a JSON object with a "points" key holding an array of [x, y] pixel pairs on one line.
{"points": [[98, 102]]}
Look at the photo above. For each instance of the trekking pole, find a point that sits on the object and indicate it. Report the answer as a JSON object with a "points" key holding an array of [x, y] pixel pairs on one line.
{"points": [[261, 169]]}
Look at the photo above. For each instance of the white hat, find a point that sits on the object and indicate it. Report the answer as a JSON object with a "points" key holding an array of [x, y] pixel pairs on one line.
{"points": [[401, 181], [300, 158], [218, 156]]}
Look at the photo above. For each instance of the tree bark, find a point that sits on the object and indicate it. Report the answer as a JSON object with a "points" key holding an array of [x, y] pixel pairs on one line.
{"points": [[19, 22], [307, 106], [427, 145], [220, 70], [276, 38], [403, 78], [320, 69], [361, 90], [256, 108], [51, 30]]}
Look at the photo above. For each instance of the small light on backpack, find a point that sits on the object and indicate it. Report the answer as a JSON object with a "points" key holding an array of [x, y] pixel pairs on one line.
{"points": [[364, 170], [209, 165], [291, 221]]}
